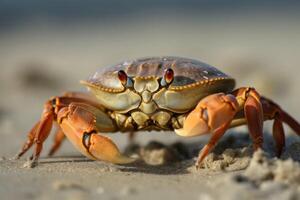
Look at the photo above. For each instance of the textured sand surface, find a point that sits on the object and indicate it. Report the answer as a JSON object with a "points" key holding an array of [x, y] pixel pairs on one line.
{"points": [[76, 177]]}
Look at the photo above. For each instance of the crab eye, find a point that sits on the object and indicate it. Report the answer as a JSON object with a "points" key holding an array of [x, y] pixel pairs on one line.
{"points": [[168, 77], [125, 80], [122, 77]]}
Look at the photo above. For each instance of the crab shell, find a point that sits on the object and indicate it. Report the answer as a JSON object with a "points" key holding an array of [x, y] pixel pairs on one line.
{"points": [[192, 81]]}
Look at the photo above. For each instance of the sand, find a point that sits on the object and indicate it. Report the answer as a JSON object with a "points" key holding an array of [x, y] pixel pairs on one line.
{"points": [[166, 173]]}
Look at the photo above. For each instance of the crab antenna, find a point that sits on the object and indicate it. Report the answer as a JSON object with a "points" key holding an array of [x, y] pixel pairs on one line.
{"points": [[168, 77]]}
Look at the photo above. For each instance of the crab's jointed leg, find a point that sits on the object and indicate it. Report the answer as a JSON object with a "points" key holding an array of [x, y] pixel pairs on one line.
{"points": [[250, 103], [39, 132], [272, 111], [80, 120], [29, 142]]}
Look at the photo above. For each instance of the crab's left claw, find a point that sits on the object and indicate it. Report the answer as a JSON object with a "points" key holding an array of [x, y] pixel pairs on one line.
{"points": [[213, 114], [210, 113], [78, 122]]}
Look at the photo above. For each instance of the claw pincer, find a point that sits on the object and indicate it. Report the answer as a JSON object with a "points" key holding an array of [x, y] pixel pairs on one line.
{"points": [[206, 116], [79, 125]]}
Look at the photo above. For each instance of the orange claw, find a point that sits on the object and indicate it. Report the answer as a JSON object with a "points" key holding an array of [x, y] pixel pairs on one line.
{"points": [[215, 113], [79, 125], [211, 112], [103, 148]]}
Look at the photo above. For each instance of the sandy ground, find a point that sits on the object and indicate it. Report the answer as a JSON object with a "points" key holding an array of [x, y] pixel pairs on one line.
{"points": [[231, 174], [38, 61]]}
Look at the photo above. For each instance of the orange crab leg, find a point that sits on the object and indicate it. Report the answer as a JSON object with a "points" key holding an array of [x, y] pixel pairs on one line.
{"points": [[43, 130], [273, 111], [278, 135], [290, 121], [39, 132], [254, 115], [216, 135], [29, 142]]}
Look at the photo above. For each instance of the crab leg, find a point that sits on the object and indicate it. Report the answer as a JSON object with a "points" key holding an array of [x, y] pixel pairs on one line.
{"points": [[278, 135], [216, 135], [249, 100], [42, 128], [272, 111], [39, 132], [29, 142]]}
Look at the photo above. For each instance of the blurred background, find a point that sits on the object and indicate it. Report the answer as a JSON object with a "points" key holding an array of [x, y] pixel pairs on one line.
{"points": [[46, 47]]}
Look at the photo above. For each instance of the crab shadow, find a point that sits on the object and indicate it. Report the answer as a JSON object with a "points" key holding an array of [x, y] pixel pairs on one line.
{"points": [[180, 167], [180, 156], [175, 158], [64, 159]]}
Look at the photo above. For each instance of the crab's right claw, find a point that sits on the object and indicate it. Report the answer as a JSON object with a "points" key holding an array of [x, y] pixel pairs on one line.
{"points": [[78, 123], [103, 148]]}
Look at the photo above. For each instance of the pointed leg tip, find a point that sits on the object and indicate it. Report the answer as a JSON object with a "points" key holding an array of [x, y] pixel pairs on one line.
{"points": [[30, 164], [199, 165], [199, 162], [279, 153], [51, 153]]}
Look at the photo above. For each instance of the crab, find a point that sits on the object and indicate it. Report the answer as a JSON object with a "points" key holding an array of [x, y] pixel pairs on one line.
{"points": [[156, 93]]}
